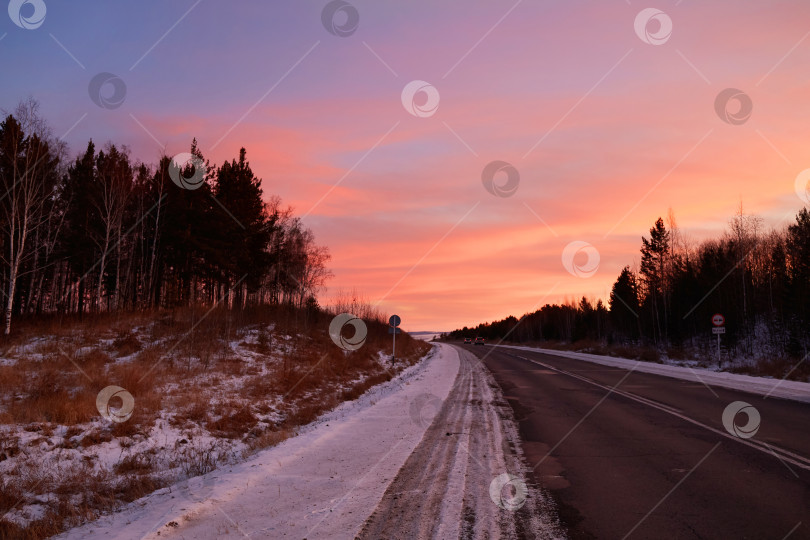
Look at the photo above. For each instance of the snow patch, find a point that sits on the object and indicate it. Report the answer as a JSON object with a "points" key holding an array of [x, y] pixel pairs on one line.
{"points": [[796, 391], [322, 483]]}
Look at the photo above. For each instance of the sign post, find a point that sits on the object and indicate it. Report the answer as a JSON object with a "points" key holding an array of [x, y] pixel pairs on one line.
{"points": [[394, 322], [719, 328]]}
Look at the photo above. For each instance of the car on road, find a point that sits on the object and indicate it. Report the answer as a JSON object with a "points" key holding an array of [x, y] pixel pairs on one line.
{"points": [[479, 341], [467, 341]]}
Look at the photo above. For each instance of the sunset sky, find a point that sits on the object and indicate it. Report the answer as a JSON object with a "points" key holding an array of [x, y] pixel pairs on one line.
{"points": [[607, 127]]}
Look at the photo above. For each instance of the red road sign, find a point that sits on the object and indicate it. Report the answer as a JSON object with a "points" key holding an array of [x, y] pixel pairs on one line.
{"points": [[718, 320]]}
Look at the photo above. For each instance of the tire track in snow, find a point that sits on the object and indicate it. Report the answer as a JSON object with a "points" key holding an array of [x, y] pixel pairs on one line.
{"points": [[442, 490]]}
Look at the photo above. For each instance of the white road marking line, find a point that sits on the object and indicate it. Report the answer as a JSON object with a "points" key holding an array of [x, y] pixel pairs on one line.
{"points": [[786, 455]]}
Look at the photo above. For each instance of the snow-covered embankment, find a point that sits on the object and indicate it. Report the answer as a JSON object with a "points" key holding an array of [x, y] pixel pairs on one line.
{"points": [[322, 483]]}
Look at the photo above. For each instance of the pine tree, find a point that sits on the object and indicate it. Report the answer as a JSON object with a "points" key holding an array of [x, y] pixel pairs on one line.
{"points": [[624, 306], [655, 254], [243, 225], [798, 251], [76, 244]]}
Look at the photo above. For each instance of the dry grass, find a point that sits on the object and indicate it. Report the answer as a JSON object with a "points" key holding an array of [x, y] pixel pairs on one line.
{"points": [[196, 459], [643, 353], [141, 463], [126, 343], [267, 439], [79, 493], [234, 423], [779, 368], [47, 397], [287, 372]]}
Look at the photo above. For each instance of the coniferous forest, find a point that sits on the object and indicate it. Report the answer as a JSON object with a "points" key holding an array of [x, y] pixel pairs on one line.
{"points": [[759, 280], [102, 232]]}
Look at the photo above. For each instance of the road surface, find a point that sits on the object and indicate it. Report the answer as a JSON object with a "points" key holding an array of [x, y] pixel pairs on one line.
{"points": [[635, 455], [443, 490]]}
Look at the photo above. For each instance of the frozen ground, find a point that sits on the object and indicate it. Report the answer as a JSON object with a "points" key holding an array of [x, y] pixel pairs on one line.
{"points": [[200, 404], [343, 475], [797, 391], [321, 484]]}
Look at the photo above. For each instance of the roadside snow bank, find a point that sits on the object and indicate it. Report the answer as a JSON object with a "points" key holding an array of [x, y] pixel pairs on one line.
{"points": [[796, 391], [322, 483]]}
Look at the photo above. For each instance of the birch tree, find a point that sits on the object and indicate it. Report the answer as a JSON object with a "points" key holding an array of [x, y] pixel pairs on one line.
{"points": [[27, 177], [113, 189]]}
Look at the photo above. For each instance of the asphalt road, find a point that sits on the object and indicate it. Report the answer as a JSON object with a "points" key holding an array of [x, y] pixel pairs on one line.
{"points": [[634, 455]]}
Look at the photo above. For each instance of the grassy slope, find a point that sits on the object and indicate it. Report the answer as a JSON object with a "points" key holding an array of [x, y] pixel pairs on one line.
{"points": [[208, 390]]}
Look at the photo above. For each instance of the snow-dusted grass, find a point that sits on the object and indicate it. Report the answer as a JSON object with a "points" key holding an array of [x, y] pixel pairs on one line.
{"points": [[205, 397], [764, 358], [785, 389], [321, 484]]}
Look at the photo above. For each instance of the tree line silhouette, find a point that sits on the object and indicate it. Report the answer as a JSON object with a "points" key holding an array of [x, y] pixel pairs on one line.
{"points": [[759, 280], [103, 232]]}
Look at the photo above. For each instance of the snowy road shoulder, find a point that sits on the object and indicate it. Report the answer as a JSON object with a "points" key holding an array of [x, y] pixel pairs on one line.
{"points": [[322, 483], [468, 477], [796, 391]]}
